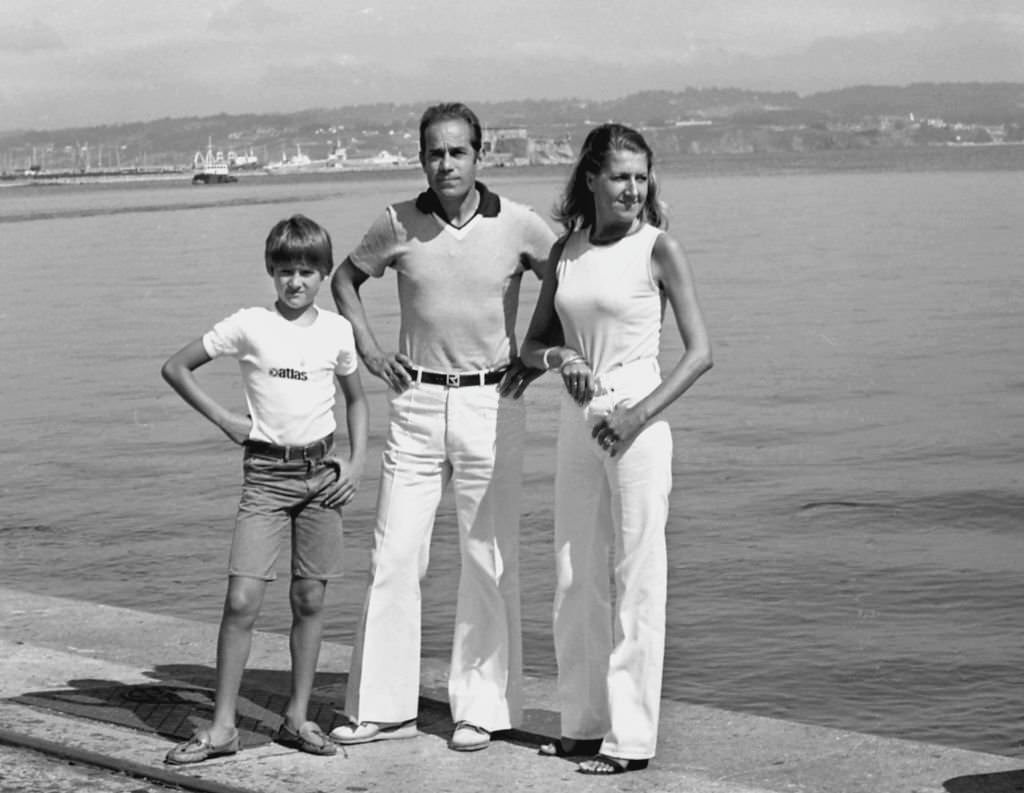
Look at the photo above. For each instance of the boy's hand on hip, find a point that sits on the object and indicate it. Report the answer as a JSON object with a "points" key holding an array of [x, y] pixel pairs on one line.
{"points": [[345, 485], [237, 427]]}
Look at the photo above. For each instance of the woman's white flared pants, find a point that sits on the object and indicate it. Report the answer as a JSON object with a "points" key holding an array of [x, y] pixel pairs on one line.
{"points": [[611, 508]]}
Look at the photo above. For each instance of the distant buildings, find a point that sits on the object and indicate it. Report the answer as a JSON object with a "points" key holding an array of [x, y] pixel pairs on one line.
{"points": [[512, 146]]}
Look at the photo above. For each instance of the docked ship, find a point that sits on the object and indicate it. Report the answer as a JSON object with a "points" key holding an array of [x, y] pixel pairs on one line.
{"points": [[337, 161], [381, 160], [302, 163], [243, 162], [210, 168]]}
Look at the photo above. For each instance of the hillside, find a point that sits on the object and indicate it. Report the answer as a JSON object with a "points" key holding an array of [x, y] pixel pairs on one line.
{"points": [[690, 122]]}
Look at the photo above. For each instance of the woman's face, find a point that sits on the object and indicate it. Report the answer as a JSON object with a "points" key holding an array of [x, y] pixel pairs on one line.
{"points": [[620, 187]]}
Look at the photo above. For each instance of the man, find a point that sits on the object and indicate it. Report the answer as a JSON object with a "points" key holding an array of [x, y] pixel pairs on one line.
{"points": [[459, 252]]}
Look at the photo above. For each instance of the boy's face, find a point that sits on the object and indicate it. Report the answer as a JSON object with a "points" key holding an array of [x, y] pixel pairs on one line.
{"points": [[297, 284]]}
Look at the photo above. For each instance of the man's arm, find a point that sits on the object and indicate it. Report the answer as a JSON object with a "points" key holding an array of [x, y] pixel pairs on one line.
{"points": [[389, 367], [520, 373], [178, 371], [542, 240]]}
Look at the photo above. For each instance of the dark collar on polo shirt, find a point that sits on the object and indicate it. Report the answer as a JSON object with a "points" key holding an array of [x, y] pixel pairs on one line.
{"points": [[489, 206]]}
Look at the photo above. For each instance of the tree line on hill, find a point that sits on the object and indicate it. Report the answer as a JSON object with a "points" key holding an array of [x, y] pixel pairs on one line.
{"points": [[692, 121]]}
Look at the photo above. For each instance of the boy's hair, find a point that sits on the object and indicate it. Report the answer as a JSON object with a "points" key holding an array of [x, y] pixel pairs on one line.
{"points": [[452, 111], [299, 239]]}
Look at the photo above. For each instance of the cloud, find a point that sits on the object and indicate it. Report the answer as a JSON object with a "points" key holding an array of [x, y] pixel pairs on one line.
{"points": [[252, 56], [959, 52], [247, 17], [34, 37]]}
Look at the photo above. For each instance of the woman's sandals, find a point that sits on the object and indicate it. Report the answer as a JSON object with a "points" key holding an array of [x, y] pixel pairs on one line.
{"points": [[602, 764], [571, 747]]}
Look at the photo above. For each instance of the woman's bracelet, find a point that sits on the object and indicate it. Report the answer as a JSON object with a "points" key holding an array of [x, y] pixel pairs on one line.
{"points": [[544, 357], [574, 358]]}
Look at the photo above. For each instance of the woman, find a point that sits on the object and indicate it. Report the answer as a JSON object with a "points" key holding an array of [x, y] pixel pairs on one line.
{"points": [[598, 321]]}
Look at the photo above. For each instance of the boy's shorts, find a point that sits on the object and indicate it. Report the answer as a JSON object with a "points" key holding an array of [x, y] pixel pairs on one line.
{"points": [[278, 496]]}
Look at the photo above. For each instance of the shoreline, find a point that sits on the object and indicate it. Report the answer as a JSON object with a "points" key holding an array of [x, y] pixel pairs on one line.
{"points": [[962, 156], [78, 676]]}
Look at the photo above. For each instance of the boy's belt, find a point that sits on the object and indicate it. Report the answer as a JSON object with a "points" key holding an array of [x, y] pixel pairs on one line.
{"points": [[314, 451], [456, 380]]}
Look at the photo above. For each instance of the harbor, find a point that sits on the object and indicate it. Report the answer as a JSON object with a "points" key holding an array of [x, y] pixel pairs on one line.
{"points": [[501, 147]]}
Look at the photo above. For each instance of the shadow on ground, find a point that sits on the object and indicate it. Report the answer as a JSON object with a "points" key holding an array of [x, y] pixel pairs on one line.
{"points": [[181, 699], [1002, 782]]}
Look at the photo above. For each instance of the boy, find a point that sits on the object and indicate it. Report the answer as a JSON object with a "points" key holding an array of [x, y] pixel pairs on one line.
{"points": [[289, 355]]}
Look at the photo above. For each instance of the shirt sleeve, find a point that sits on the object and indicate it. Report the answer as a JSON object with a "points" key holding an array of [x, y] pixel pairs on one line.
{"points": [[348, 360], [226, 337], [538, 238], [377, 248]]}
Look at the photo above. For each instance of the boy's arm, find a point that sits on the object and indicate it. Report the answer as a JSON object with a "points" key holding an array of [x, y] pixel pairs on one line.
{"points": [[357, 420], [178, 372]]}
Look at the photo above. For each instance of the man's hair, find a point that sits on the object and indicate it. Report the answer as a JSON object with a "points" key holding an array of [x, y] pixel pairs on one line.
{"points": [[299, 239], [447, 111], [576, 209]]}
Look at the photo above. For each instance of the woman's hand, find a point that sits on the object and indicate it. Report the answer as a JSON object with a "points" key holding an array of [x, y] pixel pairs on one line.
{"points": [[578, 379], [617, 430]]}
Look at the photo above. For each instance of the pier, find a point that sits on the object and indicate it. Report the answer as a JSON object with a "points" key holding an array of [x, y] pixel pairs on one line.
{"points": [[116, 688]]}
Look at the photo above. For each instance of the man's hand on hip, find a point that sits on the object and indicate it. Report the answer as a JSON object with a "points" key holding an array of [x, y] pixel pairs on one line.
{"points": [[516, 378], [391, 369]]}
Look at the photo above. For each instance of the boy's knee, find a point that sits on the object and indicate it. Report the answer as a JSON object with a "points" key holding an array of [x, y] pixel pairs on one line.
{"points": [[244, 598], [307, 596]]}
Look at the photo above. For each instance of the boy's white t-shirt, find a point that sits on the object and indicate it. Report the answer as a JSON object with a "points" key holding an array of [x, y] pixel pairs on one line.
{"points": [[288, 370]]}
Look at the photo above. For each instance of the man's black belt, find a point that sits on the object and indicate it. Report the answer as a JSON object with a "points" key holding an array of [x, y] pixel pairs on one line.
{"points": [[314, 451], [456, 380]]}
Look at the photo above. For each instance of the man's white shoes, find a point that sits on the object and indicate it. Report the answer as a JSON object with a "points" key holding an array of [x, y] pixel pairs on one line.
{"points": [[469, 737], [367, 731]]}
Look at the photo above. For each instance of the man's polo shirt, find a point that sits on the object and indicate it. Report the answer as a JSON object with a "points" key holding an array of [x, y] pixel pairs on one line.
{"points": [[458, 287]]}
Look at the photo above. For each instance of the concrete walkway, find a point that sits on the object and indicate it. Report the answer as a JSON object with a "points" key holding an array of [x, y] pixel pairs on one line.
{"points": [[113, 687]]}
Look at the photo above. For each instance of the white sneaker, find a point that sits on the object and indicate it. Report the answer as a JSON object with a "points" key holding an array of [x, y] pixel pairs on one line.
{"points": [[469, 737], [366, 731]]}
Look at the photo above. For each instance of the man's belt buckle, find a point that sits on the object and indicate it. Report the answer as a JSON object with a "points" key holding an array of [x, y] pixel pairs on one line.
{"points": [[452, 380]]}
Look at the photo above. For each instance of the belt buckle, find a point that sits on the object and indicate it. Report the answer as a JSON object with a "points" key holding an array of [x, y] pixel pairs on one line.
{"points": [[452, 380], [313, 451]]}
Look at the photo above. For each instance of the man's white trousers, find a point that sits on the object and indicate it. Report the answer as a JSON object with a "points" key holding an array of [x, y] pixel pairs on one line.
{"points": [[473, 438]]}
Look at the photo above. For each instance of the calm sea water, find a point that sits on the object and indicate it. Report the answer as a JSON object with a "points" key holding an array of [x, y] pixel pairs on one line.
{"points": [[845, 538]]}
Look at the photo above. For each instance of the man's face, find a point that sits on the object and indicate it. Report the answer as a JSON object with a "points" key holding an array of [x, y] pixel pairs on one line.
{"points": [[448, 159]]}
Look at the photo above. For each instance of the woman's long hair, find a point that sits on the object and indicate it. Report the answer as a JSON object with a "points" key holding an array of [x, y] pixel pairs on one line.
{"points": [[576, 209]]}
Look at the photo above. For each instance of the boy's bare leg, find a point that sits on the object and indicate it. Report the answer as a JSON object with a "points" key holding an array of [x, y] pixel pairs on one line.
{"points": [[241, 607], [307, 599]]}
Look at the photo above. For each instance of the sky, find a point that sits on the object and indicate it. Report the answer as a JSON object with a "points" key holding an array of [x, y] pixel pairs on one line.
{"points": [[91, 62]]}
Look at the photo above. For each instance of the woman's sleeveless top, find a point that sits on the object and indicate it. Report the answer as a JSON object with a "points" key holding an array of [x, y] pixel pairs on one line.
{"points": [[607, 299]]}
